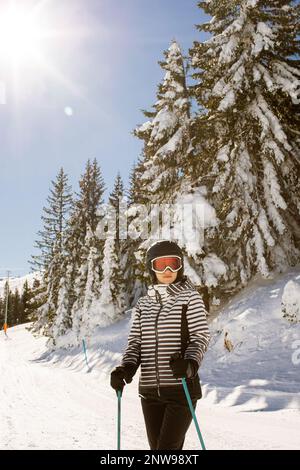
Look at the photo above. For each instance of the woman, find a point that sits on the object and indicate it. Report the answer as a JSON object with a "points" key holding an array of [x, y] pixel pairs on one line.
{"points": [[168, 344]]}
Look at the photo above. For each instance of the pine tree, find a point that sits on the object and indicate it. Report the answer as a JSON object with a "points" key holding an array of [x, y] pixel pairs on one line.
{"points": [[89, 198], [7, 301], [26, 301], [54, 221], [16, 313], [119, 203], [2, 312], [248, 82], [39, 306], [159, 171], [94, 309], [86, 308], [63, 321], [115, 201], [134, 269], [52, 251], [132, 193], [166, 134], [52, 280], [83, 224], [111, 304]]}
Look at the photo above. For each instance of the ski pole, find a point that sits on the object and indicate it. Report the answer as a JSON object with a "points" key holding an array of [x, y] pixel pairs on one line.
{"points": [[119, 393], [188, 397], [84, 349]]}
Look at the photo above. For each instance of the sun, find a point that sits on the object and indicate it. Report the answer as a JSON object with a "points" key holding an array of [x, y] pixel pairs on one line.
{"points": [[31, 44], [20, 34]]}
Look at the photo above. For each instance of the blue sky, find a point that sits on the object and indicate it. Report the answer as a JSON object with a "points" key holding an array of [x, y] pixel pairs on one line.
{"points": [[103, 65]]}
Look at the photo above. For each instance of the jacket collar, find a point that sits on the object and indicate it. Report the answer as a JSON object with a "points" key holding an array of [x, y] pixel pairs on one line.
{"points": [[160, 292]]}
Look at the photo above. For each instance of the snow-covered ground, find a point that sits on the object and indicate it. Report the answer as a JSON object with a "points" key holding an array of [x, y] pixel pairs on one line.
{"points": [[262, 372], [251, 394]]}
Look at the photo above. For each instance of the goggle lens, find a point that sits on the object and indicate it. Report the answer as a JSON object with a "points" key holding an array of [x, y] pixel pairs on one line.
{"points": [[162, 263]]}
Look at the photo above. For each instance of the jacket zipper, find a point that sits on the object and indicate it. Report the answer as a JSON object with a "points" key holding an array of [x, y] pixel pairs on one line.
{"points": [[156, 350]]}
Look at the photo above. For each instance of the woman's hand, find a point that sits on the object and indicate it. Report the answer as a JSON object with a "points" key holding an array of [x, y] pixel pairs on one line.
{"points": [[122, 375], [186, 368]]}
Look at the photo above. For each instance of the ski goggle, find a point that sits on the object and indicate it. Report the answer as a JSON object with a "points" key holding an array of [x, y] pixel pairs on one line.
{"points": [[161, 263]]}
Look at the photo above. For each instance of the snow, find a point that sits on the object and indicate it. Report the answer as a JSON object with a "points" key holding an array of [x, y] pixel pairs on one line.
{"points": [[165, 120], [228, 50], [251, 3], [145, 127], [264, 227], [213, 268], [222, 154], [271, 144], [259, 374], [219, 87], [181, 103], [259, 245], [227, 101], [290, 302], [274, 186], [192, 215], [263, 38], [269, 121], [171, 146], [267, 78], [285, 78], [18, 282], [251, 395]]}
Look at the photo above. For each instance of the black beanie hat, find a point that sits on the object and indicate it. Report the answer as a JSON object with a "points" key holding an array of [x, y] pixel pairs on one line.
{"points": [[163, 248]]}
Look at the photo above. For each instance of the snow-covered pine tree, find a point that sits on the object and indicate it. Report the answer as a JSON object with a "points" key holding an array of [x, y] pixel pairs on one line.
{"points": [[134, 271], [248, 81], [159, 170], [63, 321], [117, 200], [54, 221], [38, 305], [132, 193], [166, 134], [55, 272], [111, 305], [85, 209], [85, 311], [85, 217], [51, 246], [112, 300]]}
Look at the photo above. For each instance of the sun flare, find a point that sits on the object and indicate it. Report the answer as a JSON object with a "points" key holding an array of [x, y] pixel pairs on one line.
{"points": [[20, 35], [32, 38]]}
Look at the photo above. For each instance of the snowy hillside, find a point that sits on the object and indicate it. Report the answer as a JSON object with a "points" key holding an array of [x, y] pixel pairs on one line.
{"points": [[53, 402], [18, 282], [262, 372]]}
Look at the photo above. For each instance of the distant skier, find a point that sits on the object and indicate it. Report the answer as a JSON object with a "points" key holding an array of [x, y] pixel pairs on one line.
{"points": [[156, 340]]}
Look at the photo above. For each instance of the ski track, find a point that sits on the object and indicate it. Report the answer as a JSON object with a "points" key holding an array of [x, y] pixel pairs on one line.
{"points": [[46, 405]]}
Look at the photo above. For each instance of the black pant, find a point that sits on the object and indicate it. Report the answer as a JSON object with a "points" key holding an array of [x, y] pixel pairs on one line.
{"points": [[167, 419]]}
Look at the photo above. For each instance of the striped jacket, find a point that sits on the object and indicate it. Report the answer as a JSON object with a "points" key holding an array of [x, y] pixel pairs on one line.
{"points": [[156, 333]]}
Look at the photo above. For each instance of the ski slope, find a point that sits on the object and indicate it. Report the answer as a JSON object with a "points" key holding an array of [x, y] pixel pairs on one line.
{"points": [[49, 400]]}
